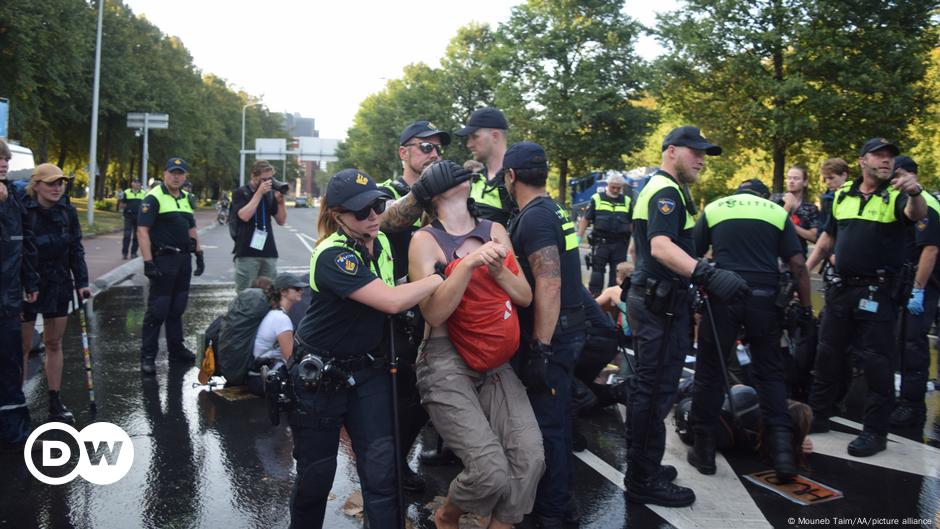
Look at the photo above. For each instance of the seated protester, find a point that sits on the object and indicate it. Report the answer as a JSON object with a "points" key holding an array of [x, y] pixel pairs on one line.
{"points": [[474, 398], [748, 433], [274, 342], [610, 301]]}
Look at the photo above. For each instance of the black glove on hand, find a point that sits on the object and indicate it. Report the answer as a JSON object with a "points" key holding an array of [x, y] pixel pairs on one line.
{"points": [[723, 284], [151, 270], [200, 264], [437, 178], [535, 367]]}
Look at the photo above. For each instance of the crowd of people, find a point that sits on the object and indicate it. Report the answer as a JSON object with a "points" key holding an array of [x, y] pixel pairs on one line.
{"points": [[464, 283]]}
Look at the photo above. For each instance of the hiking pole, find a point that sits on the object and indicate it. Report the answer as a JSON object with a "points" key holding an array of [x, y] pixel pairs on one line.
{"points": [[89, 376], [721, 357], [393, 372]]}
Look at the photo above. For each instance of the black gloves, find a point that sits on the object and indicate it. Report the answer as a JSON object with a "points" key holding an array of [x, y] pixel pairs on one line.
{"points": [[200, 264], [535, 367], [725, 285], [437, 178], [151, 270]]}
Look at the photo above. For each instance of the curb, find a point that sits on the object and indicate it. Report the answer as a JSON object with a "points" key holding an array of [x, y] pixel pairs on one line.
{"points": [[128, 269]]}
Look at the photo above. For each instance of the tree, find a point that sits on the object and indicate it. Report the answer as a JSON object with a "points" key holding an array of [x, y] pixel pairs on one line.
{"points": [[571, 80], [778, 75]]}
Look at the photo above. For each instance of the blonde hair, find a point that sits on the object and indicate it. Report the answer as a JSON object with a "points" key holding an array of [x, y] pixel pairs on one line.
{"points": [[326, 222]]}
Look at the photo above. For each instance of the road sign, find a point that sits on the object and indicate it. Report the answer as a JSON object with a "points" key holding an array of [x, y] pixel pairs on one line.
{"points": [[270, 148], [138, 120]]}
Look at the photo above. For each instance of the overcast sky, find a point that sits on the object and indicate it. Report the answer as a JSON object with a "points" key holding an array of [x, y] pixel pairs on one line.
{"points": [[322, 58]]}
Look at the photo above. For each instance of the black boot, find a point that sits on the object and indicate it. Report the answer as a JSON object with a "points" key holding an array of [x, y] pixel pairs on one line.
{"points": [[868, 444], [908, 414], [658, 491], [57, 411], [702, 453], [582, 398], [781, 452], [184, 356]]}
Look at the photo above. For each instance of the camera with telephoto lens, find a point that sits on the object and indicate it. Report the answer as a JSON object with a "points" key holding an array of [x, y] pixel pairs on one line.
{"points": [[280, 187], [277, 391]]}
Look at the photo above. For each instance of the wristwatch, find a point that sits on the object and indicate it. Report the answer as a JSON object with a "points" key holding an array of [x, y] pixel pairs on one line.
{"points": [[920, 189]]}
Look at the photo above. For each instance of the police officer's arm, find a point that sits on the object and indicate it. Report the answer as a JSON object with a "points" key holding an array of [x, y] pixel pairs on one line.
{"points": [[822, 250], [585, 220], [671, 256], [916, 207], [149, 208], [546, 269], [392, 300], [401, 214], [424, 253], [513, 282], [925, 265], [927, 237], [666, 220], [194, 234]]}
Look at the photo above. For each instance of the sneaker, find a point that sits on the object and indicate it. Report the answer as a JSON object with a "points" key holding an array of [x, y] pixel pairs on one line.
{"points": [[868, 444], [657, 491], [184, 355], [906, 415]]}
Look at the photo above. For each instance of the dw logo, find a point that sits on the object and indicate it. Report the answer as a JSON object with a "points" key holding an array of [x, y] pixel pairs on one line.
{"points": [[105, 453]]}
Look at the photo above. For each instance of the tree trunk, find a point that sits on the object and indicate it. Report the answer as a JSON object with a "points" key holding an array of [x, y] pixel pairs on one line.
{"points": [[779, 156], [563, 181], [63, 152], [42, 150]]}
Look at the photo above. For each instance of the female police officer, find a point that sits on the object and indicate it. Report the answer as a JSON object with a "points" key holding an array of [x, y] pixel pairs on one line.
{"points": [[337, 375]]}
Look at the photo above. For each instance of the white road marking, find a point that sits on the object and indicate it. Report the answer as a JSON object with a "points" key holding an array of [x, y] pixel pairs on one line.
{"points": [[208, 247], [301, 237], [902, 454]]}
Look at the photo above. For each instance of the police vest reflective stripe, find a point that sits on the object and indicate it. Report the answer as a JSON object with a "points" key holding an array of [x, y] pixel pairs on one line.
{"points": [[130, 194], [610, 217], [657, 183], [385, 272], [932, 202], [601, 203], [389, 185], [567, 228], [745, 206], [483, 193], [877, 209], [170, 204]]}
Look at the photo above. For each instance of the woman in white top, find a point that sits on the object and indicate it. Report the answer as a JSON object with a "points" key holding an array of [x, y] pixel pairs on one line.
{"points": [[274, 341]]}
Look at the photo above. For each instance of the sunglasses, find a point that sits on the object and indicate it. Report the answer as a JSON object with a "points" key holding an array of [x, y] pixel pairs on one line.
{"points": [[378, 207], [426, 147]]}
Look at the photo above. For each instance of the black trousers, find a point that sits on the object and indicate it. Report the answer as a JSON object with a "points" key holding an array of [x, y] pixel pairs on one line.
{"points": [[872, 337], [166, 304], [411, 413], [659, 360], [759, 317], [606, 257], [130, 235], [915, 362]]}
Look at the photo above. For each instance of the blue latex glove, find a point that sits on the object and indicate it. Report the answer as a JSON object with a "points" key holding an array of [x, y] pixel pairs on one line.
{"points": [[578, 237], [916, 304]]}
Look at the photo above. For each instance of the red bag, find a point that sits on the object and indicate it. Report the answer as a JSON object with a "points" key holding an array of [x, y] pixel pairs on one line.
{"points": [[484, 327]]}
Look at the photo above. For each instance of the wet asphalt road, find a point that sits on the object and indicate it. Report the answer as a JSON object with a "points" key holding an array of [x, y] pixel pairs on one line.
{"points": [[202, 460]]}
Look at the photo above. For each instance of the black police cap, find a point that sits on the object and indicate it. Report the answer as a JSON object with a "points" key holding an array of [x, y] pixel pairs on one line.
{"points": [[352, 190], [876, 144], [423, 129], [691, 137], [754, 187], [484, 118], [525, 155]]}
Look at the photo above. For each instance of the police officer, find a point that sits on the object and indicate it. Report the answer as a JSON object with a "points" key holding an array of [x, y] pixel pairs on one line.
{"points": [[486, 131], [659, 312], [131, 198], [167, 233], [609, 212], [420, 145], [922, 307], [338, 372], [747, 233], [867, 229], [553, 327]]}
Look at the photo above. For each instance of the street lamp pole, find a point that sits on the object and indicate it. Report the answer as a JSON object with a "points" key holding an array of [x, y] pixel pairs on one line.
{"points": [[93, 148], [241, 166]]}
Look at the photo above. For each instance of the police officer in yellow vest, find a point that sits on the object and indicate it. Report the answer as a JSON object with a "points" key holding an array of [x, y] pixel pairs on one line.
{"points": [[131, 198], [167, 233], [486, 131], [747, 234], [659, 311], [609, 212], [338, 372], [870, 217]]}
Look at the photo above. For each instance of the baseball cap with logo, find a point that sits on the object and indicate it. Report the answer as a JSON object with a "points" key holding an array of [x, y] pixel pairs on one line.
{"points": [[353, 190], [876, 144], [525, 155], [177, 164], [423, 129], [484, 118], [691, 137]]}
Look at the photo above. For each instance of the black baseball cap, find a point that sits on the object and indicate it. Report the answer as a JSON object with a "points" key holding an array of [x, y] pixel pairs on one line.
{"points": [[353, 190], [691, 137], [285, 280], [754, 187], [423, 129], [484, 118], [876, 144], [525, 155], [177, 164], [905, 162]]}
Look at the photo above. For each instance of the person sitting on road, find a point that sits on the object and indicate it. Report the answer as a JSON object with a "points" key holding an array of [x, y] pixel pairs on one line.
{"points": [[610, 300], [274, 342]]}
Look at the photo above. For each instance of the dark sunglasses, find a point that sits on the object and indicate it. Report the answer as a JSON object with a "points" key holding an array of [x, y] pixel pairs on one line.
{"points": [[426, 147], [378, 206]]}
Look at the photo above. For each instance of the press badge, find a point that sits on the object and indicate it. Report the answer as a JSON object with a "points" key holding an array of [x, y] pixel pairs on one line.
{"points": [[258, 239], [868, 305]]}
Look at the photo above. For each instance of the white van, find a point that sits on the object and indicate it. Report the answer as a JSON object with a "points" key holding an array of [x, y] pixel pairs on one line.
{"points": [[21, 164]]}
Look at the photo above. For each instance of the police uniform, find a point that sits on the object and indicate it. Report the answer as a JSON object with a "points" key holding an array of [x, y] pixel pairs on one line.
{"points": [[660, 209], [862, 305], [131, 200], [747, 234], [491, 201], [169, 219], [610, 237], [350, 335]]}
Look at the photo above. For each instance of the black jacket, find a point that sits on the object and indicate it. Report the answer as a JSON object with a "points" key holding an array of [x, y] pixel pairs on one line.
{"points": [[58, 239], [17, 254]]}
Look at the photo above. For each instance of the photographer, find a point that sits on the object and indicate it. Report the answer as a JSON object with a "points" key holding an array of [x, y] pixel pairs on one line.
{"points": [[255, 204]]}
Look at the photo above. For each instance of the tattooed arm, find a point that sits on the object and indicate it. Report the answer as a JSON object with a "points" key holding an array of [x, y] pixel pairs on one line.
{"points": [[546, 269], [401, 214]]}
